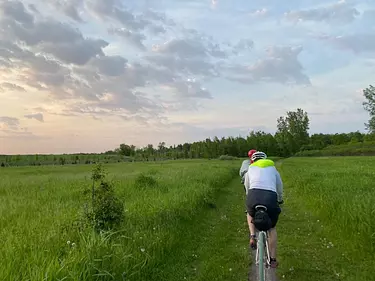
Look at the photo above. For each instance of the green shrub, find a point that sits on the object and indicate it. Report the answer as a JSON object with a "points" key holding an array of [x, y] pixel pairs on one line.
{"points": [[227, 157], [107, 211], [143, 181]]}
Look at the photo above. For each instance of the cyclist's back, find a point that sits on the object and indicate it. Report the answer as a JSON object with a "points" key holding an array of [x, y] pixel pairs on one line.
{"points": [[263, 175], [263, 186]]}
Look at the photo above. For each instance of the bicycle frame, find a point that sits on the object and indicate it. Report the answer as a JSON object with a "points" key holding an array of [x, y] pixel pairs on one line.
{"points": [[262, 258]]}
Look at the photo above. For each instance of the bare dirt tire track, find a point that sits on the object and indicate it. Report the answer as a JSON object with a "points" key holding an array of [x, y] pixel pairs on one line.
{"points": [[253, 272]]}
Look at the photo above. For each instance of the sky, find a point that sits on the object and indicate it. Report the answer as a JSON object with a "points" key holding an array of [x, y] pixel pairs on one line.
{"points": [[87, 75]]}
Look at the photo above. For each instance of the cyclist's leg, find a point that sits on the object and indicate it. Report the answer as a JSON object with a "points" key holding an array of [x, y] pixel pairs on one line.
{"points": [[272, 238], [250, 206], [250, 224], [253, 241]]}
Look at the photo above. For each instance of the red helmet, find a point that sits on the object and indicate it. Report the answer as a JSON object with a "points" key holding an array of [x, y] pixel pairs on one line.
{"points": [[251, 152]]}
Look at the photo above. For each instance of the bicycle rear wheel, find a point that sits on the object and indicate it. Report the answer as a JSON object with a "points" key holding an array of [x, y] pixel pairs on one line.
{"points": [[261, 244]]}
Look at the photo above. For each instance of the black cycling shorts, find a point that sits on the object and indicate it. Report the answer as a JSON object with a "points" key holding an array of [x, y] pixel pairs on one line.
{"points": [[266, 198]]}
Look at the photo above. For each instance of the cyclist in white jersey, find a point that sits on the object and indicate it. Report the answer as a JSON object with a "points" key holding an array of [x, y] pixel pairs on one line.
{"points": [[245, 165], [264, 187]]}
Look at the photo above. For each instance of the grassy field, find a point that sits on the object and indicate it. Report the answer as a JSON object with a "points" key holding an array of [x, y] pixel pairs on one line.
{"points": [[189, 223], [158, 236], [327, 230]]}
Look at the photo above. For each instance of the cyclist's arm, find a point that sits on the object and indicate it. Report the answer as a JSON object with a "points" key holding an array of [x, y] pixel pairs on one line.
{"points": [[247, 182], [243, 177], [279, 187], [244, 167]]}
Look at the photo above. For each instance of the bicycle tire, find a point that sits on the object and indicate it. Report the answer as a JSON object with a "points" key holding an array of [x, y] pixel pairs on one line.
{"points": [[261, 244]]}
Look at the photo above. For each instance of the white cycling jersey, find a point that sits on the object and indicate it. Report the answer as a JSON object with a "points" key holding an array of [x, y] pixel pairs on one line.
{"points": [[244, 167], [263, 174]]}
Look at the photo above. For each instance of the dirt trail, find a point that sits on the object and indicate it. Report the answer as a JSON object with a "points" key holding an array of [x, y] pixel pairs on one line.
{"points": [[253, 272]]}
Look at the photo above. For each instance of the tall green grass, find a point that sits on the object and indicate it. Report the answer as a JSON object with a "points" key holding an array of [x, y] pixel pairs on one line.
{"points": [[39, 205], [330, 207], [366, 148]]}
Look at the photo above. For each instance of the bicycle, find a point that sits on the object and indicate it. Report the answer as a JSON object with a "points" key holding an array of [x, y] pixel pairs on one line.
{"points": [[262, 258]]}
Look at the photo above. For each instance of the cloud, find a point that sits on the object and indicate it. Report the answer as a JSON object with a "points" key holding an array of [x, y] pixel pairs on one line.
{"points": [[9, 123], [114, 10], [11, 87], [182, 66], [36, 116], [357, 43], [243, 44], [341, 12], [280, 66], [259, 13], [134, 38], [182, 48], [189, 89], [20, 135], [94, 76], [58, 59], [19, 57], [194, 55], [69, 8], [109, 65], [47, 35], [368, 17], [128, 25], [10, 128], [77, 52], [33, 8], [157, 29], [16, 11]]}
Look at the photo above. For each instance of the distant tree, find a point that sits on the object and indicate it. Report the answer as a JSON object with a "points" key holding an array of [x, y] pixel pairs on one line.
{"points": [[161, 148], [150, 150], [298, 122], [125, 149], [186, 150], [319, 141], [369, 106], [292, 131], [132, 150], [62, 161], [283, 137], [338, 139]]}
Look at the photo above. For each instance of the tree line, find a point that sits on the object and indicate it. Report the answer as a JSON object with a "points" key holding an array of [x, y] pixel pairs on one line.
{"points": [[291, 138]]}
